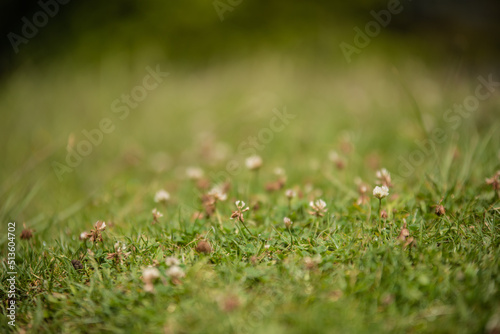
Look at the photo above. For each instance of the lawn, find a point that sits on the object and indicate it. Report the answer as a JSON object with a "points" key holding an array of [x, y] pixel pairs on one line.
{"points": [[100, 248]]}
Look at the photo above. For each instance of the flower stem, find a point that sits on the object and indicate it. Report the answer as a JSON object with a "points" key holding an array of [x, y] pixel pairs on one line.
{"points": [[247, 229], [291, 236], [379, 207]]}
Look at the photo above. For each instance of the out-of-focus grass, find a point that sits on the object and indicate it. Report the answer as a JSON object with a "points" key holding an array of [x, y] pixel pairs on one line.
{"points": [[361, 279]]}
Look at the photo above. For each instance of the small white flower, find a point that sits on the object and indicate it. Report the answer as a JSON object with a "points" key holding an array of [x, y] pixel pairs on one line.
{"points": [[384, 177], [194, 173], [266, 246], [120, 246], [172, 261], [84, 235], [279, 171], [157, 213], [253, 162], [149, 274], [320, 204], [240, 204], [100, 225], [380, 192], [333, 156], [318, 208], [217, 193], [175, 272], [290, 193], [288, 222], [383, 173], [162, 196]]}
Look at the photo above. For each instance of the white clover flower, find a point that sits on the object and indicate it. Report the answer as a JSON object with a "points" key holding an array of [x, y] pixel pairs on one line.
{"points": [[290, 193], [318, 208], [162, 196], [84, 235], [288, 222], [253, 162], [218, 193], [383, 173], [333, 156], [172, 261], [240, 204], [194, 173], [120, 246], [267, 246], [149, 274], [380, 192], [279, 171], [384, 177], [100, 225], [319, 204], [175, 272], [156, 214]]}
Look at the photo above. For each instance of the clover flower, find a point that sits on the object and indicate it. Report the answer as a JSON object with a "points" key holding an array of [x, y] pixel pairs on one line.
{"points": [[494, 181], [95, 234], [238, 214], [318, 208], [253, 162], [162, 196], [119, 255], [381, 192], [149, 276], [336, 159], [172, 261], [290, 193], [156, 214], [362, 190], [194, 173], [26, 233], [288, 222], [383, 177], [175, 272], [218, 193]]}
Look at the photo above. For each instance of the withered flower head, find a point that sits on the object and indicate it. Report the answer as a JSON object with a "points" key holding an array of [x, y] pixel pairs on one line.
{"points": [[238, 214], [405, 233], [26, 233], [156, 214], [119, 255], [494, 181], [95, 234], [204, 247]]}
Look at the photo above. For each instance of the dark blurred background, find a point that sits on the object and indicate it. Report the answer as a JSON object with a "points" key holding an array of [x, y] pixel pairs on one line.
{"points": [[193, 33]]}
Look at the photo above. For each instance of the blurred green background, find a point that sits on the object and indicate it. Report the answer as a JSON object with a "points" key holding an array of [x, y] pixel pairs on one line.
{"points": [[225, 78]]}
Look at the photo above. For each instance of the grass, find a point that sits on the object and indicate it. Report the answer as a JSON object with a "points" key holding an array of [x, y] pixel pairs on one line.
{"points": [[345, 272]]}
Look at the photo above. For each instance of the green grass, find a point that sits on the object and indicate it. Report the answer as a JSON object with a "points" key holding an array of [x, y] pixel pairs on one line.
{"points": [[345, 272]]}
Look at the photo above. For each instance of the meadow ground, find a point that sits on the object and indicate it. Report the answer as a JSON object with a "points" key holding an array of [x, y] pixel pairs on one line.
{"points": [[76, 151]]}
